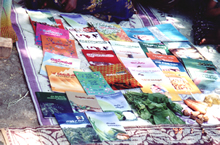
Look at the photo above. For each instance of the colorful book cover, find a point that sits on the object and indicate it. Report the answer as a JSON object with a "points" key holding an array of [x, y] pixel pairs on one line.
{"points": [[107, 126], [63, 79], [101, 57], [118, 104], [77, 128], [184, 50], [138, 62], [127, 49], [59, 23], [154, 81], [41, 16], [95, 45], [81, 102], [51, 103], [61, 46], [49, 31], [167, 62], [198, 64], [93, 83], [58, 60], [87, 36], [155, 48], [117, 76], [167, 32], [141, 34], [111, 32]]}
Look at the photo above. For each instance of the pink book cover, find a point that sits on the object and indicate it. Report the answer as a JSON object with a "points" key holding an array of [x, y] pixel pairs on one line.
{"points": [[49, 31]]}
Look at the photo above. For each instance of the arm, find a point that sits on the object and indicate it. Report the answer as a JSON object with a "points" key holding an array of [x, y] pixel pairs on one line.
{"points": [[211, 10], [70, 5]]}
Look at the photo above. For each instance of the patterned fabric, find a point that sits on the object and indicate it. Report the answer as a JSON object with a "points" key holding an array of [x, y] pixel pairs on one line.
{"points": [[6, 29], [139, 135]]}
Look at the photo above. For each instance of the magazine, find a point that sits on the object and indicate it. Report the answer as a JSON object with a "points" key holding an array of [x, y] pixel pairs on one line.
{"points": [[127, 49], [100, 58], [95, 45], [81, 102], [49, 31], [117, 76], [107, 126], [51, 103], [65, 47], [155, 48], [184, 50], [167, 32], [58, 60], [118, 104], [93, 83], [137, 62], [167, 62], [59, 23], [141, 34], [77, 128], [87, 36], [111, 32], [154, 81], [63, 79]]}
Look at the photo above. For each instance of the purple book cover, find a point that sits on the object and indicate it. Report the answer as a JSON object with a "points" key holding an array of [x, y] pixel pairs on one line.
{"points": [[49, 31]]}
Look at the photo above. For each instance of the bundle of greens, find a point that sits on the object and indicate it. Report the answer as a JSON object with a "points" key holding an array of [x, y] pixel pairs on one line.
{"points": [[156, 107]]}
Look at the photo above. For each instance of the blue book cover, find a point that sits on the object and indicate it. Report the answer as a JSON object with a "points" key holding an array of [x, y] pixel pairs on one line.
{"points": [[141, 34], [51, 103], [77, 128], [118, 104]]}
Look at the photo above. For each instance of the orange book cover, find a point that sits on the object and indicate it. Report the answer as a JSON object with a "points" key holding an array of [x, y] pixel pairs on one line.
{"points": [[61, 46], [63, 79]]}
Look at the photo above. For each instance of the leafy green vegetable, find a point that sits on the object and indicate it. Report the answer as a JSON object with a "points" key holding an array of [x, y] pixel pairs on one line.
{"points": [[155, 107]]}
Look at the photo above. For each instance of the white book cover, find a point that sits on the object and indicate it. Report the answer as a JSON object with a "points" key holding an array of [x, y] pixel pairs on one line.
{"points": [[95, 45]]}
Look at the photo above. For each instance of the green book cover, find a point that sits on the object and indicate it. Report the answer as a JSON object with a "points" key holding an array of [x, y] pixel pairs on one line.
{"points": [[155, 48]]}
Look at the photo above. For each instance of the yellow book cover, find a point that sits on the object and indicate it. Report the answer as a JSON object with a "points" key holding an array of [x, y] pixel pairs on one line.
{"points": [[63, 79], [154, 81]]}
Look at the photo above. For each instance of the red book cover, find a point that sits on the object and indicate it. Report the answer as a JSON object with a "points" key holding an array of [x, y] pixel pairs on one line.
{"points": [[59, 23], [100, 57], [169, 58]]}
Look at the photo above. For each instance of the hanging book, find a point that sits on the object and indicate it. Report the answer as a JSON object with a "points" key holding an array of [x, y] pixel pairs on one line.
{"points": [[107, 126], [63, 79], [100, 58], [51, 103], [49, 31], [93, 83], [61, 46], [117, 76], [58, 60], [77, 128], [118, 104], [81, 102]]}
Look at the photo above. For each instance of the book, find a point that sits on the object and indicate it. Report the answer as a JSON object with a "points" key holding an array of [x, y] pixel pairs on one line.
{"points": [[107, 126], [167, 32], [59, 23], [95, 45], [51, 103], [127, 49], [81, 102], [137, 62], [118, 104], [49, 31], [93, 83], [184, 50], [154, 81], [77, 128], [141, 34], [58, 60], [117, 76], [101, 57], [87, 36], [61, 46], [155, 48], [63, 79], [111, 32], [167, 62], [44, 17]]}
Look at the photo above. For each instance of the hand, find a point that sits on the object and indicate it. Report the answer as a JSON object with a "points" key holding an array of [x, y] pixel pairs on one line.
{"points": [[70, 5]]}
